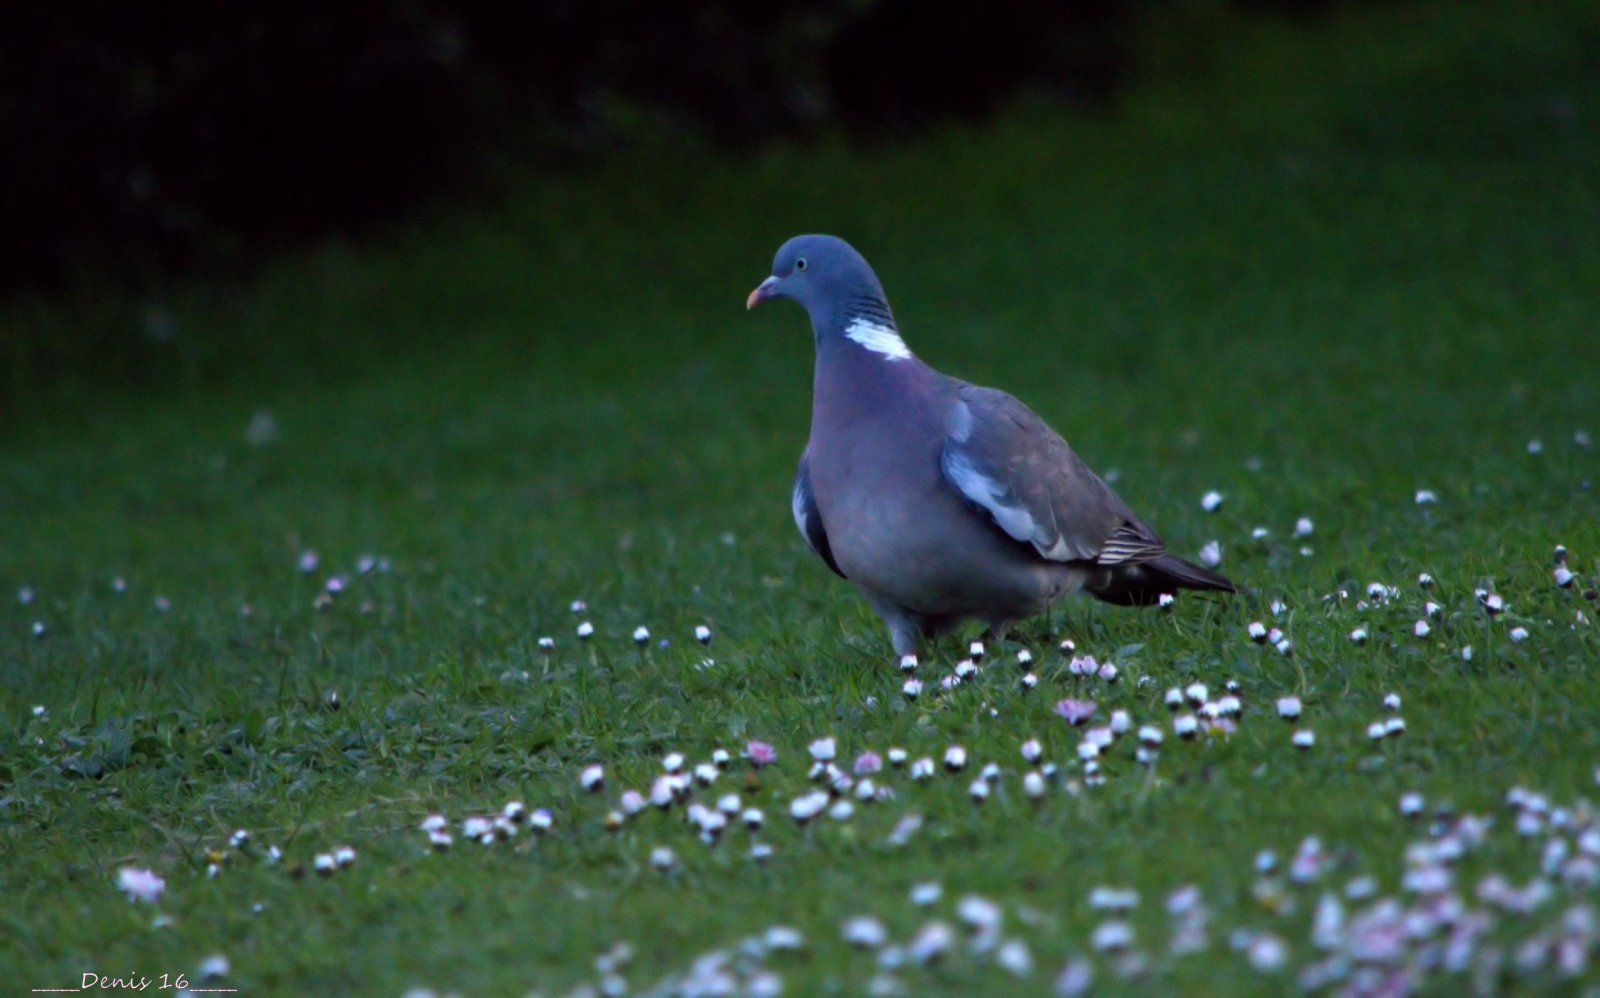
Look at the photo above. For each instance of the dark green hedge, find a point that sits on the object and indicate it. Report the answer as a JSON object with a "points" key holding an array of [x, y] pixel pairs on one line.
{"points": [[145, 137]]}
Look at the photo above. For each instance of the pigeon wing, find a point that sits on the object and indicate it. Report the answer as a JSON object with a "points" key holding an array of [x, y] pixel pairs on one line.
{"points": [[806, 516], [1010, 465]]}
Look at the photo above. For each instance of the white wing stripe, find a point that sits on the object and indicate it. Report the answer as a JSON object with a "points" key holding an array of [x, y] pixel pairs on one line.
{"points": [[986, 492]]}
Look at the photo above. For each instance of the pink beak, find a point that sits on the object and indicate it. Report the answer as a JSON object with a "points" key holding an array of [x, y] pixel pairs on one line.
{"points": [[763, 291]]}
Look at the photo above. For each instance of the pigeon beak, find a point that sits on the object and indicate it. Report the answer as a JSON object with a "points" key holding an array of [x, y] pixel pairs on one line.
{"points": [[763, 291]]}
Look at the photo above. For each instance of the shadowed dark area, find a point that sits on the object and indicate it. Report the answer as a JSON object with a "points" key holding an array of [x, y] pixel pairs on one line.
{"points": [[137, 141]]}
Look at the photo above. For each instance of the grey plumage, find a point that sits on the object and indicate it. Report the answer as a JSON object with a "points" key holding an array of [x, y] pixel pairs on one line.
{"points": [[938, 499]]}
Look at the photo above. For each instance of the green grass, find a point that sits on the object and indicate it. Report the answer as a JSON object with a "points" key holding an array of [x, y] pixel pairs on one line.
{"points": [[1348, 261]]}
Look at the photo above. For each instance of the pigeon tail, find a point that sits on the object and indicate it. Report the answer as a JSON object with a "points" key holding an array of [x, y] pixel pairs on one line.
{"points": [[1145, 583]]}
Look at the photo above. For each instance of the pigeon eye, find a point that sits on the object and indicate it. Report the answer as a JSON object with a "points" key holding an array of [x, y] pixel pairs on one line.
{"points": [[800, 264]]}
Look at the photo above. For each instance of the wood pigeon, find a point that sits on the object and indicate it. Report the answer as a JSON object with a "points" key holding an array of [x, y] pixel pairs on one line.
{"points": [[941, 500]]}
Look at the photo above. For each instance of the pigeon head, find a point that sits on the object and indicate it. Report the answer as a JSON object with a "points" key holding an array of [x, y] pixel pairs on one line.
{"points": [[830, 280]]}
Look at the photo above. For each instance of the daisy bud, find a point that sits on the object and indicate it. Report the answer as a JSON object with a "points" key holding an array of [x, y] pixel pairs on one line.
{"points": [[908, 663], [547, 644], [922, 768], [1029, 681], [1394, 726], [955, 758], [1111, 936], [1145, 755], [1032, 751], [1376, 730], [1519, 634], [1210, 501], [1257, 631], [975, 650], [705, 774], [965, 669], [1088, 750], [585, 630], [1211, 554], [911, 688], [641, 635], [663, 858], [1024, 657], [1494, 603], [1563, 576], [1424, 581], [662, 792], [865, 932], [592, 779], [1284, 647], [1150, 735], [1303, 527], [1068, 646], [841, 810], [1304, 738], [1391, 701], [930, 943], [897, 756], [978, 790], [672, 762], [1432, 610], [721, 757], [823, 749], [1033, 784], [808, 806], [702, 634], [1121, 722], [324, 864], [1185, 726], [1108, 672], [1174, 699], [1411, 804], [753, 818], [1165, 601], [514, 811], [344, 857], [1421, 628], [924, 894], [1196, 693], [440, 840], [1359, 635]]}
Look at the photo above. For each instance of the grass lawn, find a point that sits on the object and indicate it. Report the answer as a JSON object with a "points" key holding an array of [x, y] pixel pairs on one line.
{"points": [[1346, 262]]}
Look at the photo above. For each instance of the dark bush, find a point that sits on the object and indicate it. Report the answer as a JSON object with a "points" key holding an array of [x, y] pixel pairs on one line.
{"points": [[139, 138]]}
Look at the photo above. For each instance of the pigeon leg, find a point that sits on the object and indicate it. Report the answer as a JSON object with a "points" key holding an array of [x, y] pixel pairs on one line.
{"points": [[904, 629]]}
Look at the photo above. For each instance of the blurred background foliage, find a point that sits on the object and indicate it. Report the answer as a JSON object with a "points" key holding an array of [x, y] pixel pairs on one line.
{"points": [[143, 139], [156, 160]]}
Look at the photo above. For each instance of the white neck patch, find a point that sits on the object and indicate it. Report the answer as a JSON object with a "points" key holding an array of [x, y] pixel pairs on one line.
{"points": [[877, 338]]}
